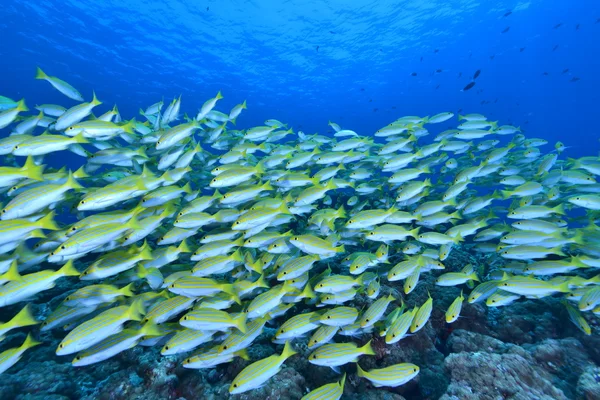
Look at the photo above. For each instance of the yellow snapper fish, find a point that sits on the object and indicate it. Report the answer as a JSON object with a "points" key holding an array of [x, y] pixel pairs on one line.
{"points": [[257, 373]]}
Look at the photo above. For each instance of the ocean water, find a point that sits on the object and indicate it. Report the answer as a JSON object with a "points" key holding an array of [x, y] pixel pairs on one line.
{"points": [[362, 65]]}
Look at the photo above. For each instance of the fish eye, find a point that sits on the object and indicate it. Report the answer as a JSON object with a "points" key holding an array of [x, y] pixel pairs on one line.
{"points": [[61, 345], [166, 347], [78, 358], [16, 147], [185, 318], [62, 247], [285, 272], [414, 370], [505, 284]]}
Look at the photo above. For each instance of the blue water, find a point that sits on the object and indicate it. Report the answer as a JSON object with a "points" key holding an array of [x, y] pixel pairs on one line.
{"points": [[307, 62]]}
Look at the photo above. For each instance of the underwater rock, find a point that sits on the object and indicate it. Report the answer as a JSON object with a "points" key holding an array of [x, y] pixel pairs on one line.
{"points": [[489, 376], [588, 386]]}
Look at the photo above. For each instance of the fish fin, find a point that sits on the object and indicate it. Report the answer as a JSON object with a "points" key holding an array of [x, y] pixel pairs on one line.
{"points": [[48, 222], [288, 351], [127, 290], [13, 272], [240, 322], [29, 342], [33, 171], [367, 349], [359, 371], [39, 74], [136, 310], [68, 269], [95, 100], [24, 318], [72, 183]]}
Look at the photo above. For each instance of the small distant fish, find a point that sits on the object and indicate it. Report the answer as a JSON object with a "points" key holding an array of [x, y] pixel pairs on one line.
{"points": [[522, 49], [506, 29], [574, 79], [476, 74], [332, 32], [436, 51], [469, 86], [421, 58], [317, 49], [460, 74], [413, 74], [375, 109], [558, 25], [362, 89], [507, 13], [437, 87], [492, 57], [577, 27], [438, 71], [545, 73], [370, 100], [565, 70], [555, 47]]}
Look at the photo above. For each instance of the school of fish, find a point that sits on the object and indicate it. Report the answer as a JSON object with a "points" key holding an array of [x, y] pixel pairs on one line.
{"points": [[184, 232]]}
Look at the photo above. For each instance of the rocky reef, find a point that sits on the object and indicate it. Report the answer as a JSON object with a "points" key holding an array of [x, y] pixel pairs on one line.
{"points": [[528, 350]]}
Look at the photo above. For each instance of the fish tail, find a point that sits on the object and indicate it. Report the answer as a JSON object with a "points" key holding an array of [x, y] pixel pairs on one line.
{"points": [[240, 322], [359, 371], [127, 290], [71, 183], [95, 100], [183, 247], [367, 349], [13, 272], [39, 74], [151, 329], [24, 318], [136, 310], [68, 269], [288, 351], [33, 171], [230, 290], [29, 342], [260, 282], [48, 223]]}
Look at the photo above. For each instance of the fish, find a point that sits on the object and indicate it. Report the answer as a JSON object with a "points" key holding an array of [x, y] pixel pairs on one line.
{"points": [[330, 391], [337, 354], [468, 86], [392, 376], [180, 229], [10, 357], [59, 85], [257, 373]]}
